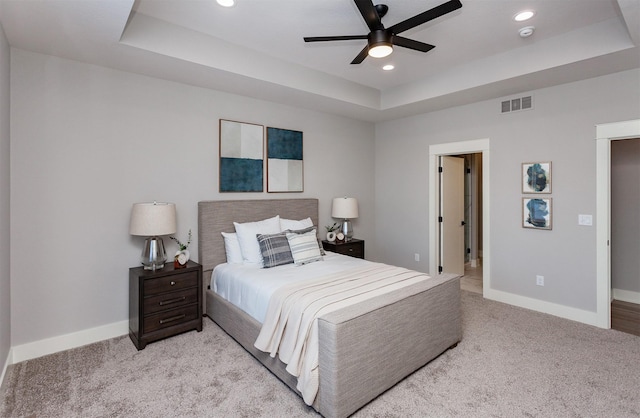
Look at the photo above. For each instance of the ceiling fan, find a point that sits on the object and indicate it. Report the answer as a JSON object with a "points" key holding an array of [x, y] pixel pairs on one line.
{"points": [[380, 40]]}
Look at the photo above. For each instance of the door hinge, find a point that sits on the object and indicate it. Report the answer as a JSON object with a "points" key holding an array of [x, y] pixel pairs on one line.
{"points": [[439, 218], [439, 169], [468, 250], [439, 269], [468, 171]]}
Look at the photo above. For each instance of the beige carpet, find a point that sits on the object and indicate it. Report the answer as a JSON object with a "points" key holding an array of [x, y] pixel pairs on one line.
{"points": [[510, 363]]}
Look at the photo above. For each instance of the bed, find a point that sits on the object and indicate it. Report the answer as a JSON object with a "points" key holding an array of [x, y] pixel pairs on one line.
{"points": [[365, 348]]}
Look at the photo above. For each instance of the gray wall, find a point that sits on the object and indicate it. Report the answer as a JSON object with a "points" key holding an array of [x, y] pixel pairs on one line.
{"points": [[561, 129], [625, 215], [87, 142], [5, 247]]}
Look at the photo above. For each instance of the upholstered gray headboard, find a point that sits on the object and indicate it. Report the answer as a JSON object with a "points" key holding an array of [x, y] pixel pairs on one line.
{"points": [[216, 216]]}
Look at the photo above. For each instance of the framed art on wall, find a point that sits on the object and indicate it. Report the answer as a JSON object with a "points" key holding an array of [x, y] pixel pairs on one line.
{"points": [[284, 161], [536, 212], [241, 157], [536, 177]]}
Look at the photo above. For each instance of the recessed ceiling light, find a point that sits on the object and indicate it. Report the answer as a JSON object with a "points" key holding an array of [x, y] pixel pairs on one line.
{"points": [[524, 15], [388, 67], [226, 3]]}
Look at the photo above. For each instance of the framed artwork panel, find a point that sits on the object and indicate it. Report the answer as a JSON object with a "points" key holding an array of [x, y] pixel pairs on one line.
{"points": [[241, 157], [537, 212], [285, 169], [536, 177]]}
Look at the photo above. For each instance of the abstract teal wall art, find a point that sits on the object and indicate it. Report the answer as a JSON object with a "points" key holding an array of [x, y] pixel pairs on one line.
{"points": [[241, 157], [536, 213], [284, 161], [536, 177]]}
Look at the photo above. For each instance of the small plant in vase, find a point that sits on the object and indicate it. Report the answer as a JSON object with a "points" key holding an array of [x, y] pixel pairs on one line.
{"points": [[182, 255], [331, 231]]}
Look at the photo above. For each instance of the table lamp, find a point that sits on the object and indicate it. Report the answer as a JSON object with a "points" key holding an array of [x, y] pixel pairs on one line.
{"points": [[152, 220], [345, 208]]}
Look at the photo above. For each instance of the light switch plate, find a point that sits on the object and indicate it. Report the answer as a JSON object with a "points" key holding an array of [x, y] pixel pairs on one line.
{"points": [[586, 220]]}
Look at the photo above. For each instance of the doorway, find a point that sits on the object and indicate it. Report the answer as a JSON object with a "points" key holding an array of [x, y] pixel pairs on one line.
{"points": [[459, 220], [605, 133], [625, 230], [481, 148]]}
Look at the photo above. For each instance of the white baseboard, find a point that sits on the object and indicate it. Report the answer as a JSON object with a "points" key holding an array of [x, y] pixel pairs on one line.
{"points": [[574, 314], [65, 342], [7, 362], [626, 296]]}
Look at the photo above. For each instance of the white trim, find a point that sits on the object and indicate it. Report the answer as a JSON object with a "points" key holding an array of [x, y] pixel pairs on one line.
{"points": [[65, 342], [463, 147], [7, 362], [626, 296], [562, 311], [605, 133]]}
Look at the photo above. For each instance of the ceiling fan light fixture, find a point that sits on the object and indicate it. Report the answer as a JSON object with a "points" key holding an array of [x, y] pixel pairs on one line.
{"points": [[380, 51], [380, 44]]}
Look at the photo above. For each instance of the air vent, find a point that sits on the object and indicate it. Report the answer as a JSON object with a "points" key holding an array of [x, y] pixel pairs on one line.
{"points": [[516, 104]]}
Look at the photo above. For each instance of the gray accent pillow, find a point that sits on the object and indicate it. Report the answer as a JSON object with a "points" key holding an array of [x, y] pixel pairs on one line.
{"points": [[304, 247], [275, 249], [304, 231]]}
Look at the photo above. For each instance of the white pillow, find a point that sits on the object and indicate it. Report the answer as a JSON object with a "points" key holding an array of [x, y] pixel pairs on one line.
{"points": [[304, 247], [232, 248], [294, 225], [251, 254]]}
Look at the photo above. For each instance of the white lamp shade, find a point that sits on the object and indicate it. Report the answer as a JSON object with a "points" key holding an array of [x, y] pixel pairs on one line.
{"points": [[153, 219], [344, 208]]}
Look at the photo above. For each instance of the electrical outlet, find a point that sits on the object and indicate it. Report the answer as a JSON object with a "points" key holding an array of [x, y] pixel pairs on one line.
{"points": [[540, 280], [416, 256]]}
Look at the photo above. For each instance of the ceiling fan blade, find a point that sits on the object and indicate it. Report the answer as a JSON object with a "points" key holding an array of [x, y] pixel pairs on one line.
{"points": [[424, 17], [411, 44], [361, 56], [370, 15], [333, 38]]}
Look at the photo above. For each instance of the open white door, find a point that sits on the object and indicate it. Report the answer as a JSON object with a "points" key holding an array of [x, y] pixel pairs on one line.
{"points": [[451, 215]]}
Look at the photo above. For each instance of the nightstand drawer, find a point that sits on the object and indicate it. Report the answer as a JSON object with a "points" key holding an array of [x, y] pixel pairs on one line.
{"points": [[170, 318], [353, 251], [353, 247], [170, 283], [171, 300]]}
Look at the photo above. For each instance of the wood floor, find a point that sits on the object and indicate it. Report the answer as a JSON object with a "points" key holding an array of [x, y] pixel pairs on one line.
{"points": [[472, 279], [625, 317]]}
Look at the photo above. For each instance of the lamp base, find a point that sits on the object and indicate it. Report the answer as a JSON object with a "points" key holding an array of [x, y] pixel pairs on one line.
{"points": [[347, 229], [153, 255]]}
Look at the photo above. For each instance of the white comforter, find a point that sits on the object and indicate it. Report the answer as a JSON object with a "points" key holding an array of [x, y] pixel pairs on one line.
{"points": [[250, 288], [290, 327]]}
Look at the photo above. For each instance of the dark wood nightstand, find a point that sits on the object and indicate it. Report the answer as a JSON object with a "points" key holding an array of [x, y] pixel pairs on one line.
{"points": [[164, 303], [353, 247]]}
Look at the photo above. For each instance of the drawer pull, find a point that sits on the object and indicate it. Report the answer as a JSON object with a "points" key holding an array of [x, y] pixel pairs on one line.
{"points": [[170, 301], [173, 318], [173, 283]]}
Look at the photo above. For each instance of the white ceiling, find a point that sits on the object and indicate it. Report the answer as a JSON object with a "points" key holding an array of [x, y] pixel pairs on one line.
{"points": [[256, 49]]}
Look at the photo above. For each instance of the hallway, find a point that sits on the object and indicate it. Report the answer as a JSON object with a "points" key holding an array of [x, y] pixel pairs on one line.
{"points": [[472, 279]]}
